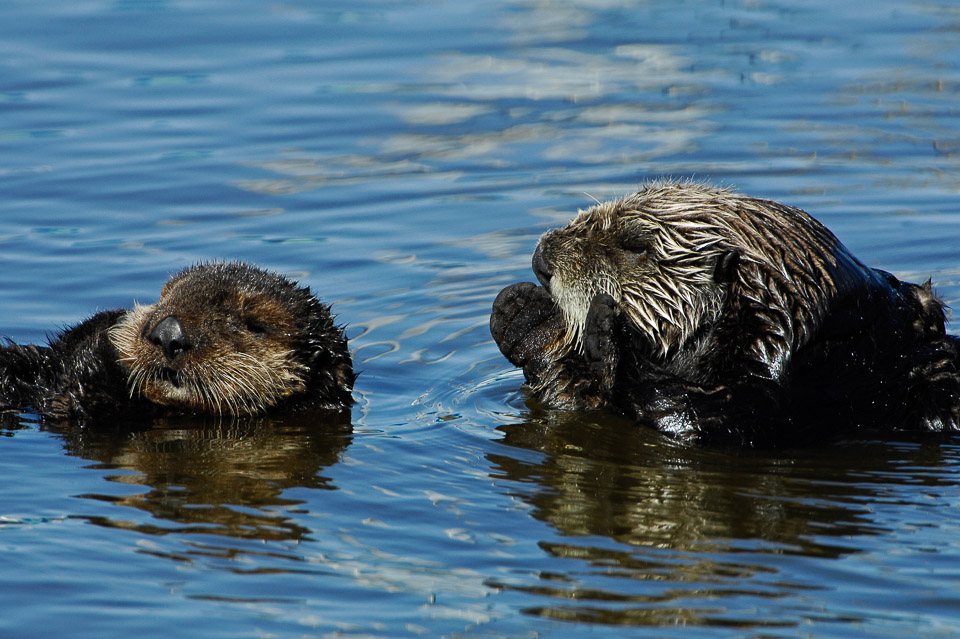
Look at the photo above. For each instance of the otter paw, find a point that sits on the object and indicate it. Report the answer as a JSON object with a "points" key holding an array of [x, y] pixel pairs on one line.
{"points": [[603, 318], [600, 348], [522, 321]]}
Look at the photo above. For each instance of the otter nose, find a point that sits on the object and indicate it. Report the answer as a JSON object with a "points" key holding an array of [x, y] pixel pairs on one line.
{"points": [[541, 269], [168, 334]]}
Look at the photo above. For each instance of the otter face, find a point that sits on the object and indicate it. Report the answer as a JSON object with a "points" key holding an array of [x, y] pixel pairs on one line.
{"points": [[664, 271], [222, 339]]}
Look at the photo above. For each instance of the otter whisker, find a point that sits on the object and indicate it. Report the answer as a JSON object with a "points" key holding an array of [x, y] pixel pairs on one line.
{"points": [[213, 394], [135, 380]]}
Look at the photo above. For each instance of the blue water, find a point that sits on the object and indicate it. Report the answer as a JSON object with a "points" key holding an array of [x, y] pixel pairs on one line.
{"points": [[402, 158]]}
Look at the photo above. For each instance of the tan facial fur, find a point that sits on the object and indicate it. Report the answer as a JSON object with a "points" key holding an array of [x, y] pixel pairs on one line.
{"points": [[240, 359]]}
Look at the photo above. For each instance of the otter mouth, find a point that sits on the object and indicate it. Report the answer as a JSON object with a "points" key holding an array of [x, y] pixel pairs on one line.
{"points": [[169, 376], [166, 386]]}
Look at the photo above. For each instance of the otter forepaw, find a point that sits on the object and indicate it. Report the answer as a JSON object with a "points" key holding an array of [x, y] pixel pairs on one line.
{"points": [[523, 321], [602, 320], [600, 348]]}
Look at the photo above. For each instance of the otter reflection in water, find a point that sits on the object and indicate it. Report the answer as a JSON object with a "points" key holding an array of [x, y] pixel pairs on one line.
{"points": [[201, 476], [722, 318], [646, 531], [224, 339]]}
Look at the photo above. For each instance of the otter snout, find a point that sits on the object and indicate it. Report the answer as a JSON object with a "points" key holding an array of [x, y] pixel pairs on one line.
{"points": [[540, 267], [169, 335]]}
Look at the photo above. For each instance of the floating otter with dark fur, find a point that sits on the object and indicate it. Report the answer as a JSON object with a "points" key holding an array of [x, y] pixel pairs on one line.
{"points": [[224, 339], [722, 318]]}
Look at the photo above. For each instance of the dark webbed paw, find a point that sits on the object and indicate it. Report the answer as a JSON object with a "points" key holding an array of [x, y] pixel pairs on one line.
{"points": [[524, 322], [603, 320], [530, 331], [600, 348]]}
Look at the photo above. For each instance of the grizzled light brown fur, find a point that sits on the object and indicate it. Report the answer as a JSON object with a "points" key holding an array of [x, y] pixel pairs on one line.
{"points": [[656, 251]]}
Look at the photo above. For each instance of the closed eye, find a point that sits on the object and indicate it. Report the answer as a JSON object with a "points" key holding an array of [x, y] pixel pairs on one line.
{"points": [[257, 327], [635, 245]]}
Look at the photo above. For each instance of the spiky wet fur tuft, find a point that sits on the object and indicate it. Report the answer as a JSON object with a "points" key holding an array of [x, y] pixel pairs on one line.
{"points": [[785, 255]]}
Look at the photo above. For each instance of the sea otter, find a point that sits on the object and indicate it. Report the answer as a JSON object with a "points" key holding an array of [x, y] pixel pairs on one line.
{"points": [[717, 317], [223, 339]]}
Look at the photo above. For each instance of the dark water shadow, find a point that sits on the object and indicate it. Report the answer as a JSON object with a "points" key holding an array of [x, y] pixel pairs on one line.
{"points": [[212, 477], [654, 533]]}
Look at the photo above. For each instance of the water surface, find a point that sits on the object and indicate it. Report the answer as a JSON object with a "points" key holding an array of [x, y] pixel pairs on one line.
{"points": [[402, 159]]}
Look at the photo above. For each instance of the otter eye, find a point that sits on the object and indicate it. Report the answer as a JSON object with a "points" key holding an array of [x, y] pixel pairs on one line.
{"points": [[257, 327], [636, 245]]}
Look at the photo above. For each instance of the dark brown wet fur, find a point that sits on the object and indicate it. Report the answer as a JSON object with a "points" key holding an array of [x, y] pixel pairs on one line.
{"points": [[223, 339], [721, 318]]}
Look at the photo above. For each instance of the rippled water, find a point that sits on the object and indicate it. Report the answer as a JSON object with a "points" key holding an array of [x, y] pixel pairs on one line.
{"points": [[402, 159]]}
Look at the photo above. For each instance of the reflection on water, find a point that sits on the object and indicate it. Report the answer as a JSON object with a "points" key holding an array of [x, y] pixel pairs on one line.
{"points": [[590, 116], [699, 533], [223, 479], [595, 97]]}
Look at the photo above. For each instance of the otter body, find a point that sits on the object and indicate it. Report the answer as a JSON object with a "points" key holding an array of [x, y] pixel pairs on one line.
{"points": [[223, 339], [717, 317]]}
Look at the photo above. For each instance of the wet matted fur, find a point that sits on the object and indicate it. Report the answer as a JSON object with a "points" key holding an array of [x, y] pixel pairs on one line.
{"points": [[718, 317], [223, 339]]}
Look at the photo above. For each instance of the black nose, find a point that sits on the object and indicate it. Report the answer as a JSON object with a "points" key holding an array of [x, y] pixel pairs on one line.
{"points": [[169, 336], [541, 269]]}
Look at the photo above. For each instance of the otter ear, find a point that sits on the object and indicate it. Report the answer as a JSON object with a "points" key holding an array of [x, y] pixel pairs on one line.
{"points": [[726, 268]]}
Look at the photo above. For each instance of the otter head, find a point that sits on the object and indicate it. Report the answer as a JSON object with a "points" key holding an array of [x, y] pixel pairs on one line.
{"points": [[667, 268], [224, 338]]}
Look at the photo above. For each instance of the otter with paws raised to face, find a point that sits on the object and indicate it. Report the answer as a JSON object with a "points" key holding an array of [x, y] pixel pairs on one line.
{"points": [[223, 339], [720, 318]]}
